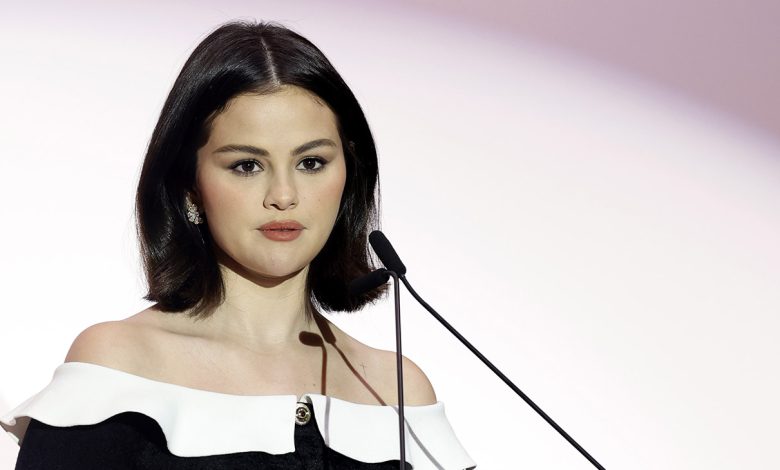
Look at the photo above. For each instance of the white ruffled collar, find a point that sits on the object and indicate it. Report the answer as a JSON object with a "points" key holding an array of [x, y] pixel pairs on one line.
{"points": [[199, 422]]}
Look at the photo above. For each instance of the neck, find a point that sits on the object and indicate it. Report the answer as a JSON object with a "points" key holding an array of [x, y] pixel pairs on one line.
{"points": [[266, 315]]}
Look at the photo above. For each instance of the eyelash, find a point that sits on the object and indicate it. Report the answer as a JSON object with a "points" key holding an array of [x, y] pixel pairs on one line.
{"points": [[318, 160], [235, 167]]}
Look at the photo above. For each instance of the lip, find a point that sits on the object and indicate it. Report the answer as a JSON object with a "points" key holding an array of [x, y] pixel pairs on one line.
{"points": [[281, 230]]}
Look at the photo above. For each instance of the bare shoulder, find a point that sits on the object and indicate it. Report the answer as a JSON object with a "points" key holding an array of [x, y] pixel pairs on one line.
{"points": [[418, 389], [116, 344], [378, 367]]}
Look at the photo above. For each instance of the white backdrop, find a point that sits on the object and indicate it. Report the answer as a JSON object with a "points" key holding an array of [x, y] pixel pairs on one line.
{"points": [[611, 245]]}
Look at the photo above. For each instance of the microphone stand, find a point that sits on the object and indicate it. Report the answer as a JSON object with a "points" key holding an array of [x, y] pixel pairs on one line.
{"points": [[369, 282], [399, 366]]}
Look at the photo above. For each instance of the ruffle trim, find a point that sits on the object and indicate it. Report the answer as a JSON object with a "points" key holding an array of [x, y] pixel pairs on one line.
{"points": [[199, 423]]}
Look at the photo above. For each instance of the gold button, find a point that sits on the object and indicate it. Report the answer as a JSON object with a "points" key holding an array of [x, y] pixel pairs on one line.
{"points": [[302, 414]]}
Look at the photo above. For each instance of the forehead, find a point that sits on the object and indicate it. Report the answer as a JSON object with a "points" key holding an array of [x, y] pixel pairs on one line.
{"points": [[285, 118]]}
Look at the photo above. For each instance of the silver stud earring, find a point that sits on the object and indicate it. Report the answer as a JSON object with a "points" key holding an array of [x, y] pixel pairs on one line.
{"points": [[193, 215]]}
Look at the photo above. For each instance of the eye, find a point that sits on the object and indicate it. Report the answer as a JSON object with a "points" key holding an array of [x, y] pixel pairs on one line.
{"points": [[312, 164], [246, 167]]}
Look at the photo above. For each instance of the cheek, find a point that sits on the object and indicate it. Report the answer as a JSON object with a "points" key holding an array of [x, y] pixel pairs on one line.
{"points": [[222, 201], [331, 192]]}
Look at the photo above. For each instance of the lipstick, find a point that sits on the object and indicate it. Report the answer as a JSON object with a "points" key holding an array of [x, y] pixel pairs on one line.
{"points": [[281, 230]]}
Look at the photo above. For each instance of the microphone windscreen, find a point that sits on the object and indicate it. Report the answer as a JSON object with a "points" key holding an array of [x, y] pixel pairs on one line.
{"points": [[368, 282], [384, 250]]}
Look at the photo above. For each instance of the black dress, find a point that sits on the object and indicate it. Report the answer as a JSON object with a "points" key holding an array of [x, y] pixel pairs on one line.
{"points": [[95, 417]]}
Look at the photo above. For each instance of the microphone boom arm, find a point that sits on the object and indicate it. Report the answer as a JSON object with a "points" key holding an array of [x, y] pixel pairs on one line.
{"points": [[500, 375]]}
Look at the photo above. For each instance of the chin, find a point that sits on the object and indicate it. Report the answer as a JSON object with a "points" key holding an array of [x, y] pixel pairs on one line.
{"points": [[278, 272], [264, 269], [280, 275]]}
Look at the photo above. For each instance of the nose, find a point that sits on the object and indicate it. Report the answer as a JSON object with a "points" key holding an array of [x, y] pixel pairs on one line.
{"points": [[281, 194]]}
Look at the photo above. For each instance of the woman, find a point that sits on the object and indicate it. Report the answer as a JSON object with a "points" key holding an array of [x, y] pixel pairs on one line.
{"points": [[253, 206]]}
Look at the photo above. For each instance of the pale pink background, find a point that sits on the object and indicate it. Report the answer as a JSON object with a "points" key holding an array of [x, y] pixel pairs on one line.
{"points": [[590, 191]]}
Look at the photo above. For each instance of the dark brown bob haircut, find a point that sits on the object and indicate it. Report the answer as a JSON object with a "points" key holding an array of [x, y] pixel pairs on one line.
{"points": [[178, 256]]}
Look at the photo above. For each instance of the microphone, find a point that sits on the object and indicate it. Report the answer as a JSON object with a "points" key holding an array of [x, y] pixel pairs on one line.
{"points": [[387, 255], [368, 282]]}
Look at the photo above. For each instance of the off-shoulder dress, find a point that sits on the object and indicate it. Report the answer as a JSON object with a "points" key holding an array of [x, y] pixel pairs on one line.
{"points": [[95, 417]]}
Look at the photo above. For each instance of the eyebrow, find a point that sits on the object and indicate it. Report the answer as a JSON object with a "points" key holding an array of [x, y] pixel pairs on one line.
{"points": [[251, 149]]}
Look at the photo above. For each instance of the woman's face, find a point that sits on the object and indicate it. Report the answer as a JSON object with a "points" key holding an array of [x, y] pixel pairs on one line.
{"points": [[270, 180]]}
